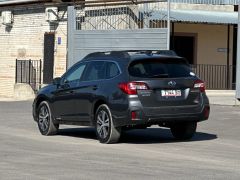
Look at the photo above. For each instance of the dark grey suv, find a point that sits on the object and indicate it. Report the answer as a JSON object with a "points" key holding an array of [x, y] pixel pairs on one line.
{"points": [[120, 90]]}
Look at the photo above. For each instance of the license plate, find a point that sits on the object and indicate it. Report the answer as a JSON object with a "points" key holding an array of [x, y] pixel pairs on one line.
{"points": [[171, 93]]}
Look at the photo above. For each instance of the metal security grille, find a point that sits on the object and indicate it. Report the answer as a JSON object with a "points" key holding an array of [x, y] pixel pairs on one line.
{"points": [[29, 72], [218, 77], [123, 26], [135, 16]]}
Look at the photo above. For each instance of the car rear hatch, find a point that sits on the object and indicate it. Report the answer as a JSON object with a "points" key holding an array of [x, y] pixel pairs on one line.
{"points": [[170, 86]]}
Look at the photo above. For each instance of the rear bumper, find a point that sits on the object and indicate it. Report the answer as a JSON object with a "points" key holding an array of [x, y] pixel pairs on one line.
{"points": [[158, 119]]}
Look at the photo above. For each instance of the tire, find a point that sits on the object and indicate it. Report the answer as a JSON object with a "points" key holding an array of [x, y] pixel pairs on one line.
{"points": [[45, 120], [105, 130], [184, 131]]}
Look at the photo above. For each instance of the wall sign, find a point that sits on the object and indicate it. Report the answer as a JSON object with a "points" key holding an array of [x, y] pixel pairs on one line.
{"points": [[59, 40], [224, 50]]}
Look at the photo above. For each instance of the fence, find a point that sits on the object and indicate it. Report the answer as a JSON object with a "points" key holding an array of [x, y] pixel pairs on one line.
{"points": [[29, 72], [117, 27], [219, 77]]}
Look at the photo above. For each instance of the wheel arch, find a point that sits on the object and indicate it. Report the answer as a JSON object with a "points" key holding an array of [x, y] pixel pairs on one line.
{"points": [[38, 101], [95, 107]]}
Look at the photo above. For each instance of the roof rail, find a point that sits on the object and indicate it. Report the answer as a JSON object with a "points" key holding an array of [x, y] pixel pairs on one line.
{"points": [[108, 53], [93, 55], [167, 52], [163, 52], [126, 53]]}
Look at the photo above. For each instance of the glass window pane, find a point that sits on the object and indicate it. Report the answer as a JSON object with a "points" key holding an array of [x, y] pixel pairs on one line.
{"points": [[160, 68], [75, 74], [112, 70], [95, 71]]}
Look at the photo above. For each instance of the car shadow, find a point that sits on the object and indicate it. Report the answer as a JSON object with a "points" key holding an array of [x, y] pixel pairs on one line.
{"points": [[138, 136], [87, 133], [160, 135]]}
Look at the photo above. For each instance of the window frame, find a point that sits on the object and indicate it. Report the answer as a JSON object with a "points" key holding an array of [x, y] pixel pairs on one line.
{"points": [[105, 78], [117, 65]]}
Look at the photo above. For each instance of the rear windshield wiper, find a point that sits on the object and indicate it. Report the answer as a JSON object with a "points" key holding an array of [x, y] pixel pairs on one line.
{"points": [[159, 76]]}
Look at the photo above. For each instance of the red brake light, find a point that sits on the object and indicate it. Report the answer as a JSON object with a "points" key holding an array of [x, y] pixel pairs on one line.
{"points": [[200, 84], [132, 87]]}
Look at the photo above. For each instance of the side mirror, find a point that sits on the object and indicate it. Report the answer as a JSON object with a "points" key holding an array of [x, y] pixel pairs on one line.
{"points": [[56, 81]]}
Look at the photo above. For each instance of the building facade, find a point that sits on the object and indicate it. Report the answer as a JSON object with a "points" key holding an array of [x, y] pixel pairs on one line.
{"points": [[38, 31], [31, 36]]}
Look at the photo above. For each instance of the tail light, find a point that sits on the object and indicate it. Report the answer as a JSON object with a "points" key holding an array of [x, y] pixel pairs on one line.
{"points": [[200, 84], [132, 87]]}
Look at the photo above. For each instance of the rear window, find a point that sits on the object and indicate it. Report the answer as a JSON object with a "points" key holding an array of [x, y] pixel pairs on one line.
{"points": [[160, 68]]}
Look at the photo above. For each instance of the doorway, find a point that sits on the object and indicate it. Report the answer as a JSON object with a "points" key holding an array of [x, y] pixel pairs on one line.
{"points": [[184, 46], [48, 65]]}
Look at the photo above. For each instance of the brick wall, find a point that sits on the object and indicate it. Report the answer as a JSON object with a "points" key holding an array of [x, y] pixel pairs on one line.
{"points": [[25, 39]]}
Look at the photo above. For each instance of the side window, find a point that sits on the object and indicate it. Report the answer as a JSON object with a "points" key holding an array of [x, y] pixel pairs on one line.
{"points": [[75, 74], [95, 71], [112, 70]]}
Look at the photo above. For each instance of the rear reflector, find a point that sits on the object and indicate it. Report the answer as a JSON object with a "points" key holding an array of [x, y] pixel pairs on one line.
{"points": [[132, 87], [206, 112], [200, 84], [133, 115]]}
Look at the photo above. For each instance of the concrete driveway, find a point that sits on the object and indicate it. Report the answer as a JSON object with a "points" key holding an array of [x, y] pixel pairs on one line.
{"points": [[214, 153]]}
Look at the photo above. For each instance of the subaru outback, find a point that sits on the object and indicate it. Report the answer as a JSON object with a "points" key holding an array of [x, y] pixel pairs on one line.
{"points": [[119, 90]]}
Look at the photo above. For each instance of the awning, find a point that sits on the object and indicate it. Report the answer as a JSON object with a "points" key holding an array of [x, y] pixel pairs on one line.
{"points": [[197, 16]]}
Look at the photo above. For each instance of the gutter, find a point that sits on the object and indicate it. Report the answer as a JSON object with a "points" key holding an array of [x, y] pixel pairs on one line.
{"points": [[19, 2]]}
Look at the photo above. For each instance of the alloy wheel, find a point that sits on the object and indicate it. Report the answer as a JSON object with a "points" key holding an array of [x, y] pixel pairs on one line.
{"points": [[103, 124], [44, 118]]}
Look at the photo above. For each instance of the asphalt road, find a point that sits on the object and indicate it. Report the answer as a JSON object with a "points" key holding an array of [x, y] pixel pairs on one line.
{"points": [[214, 152]]}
